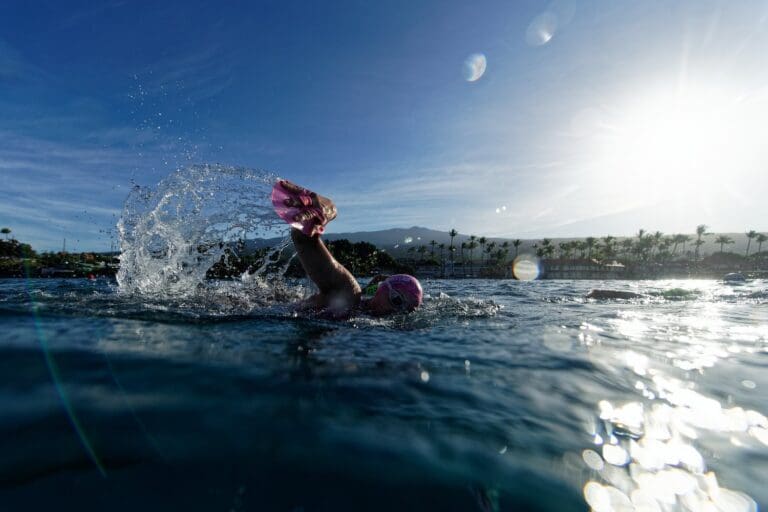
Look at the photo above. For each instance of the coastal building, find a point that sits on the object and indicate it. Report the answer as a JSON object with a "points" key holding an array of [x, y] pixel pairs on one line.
{"points": [[582, 269]]}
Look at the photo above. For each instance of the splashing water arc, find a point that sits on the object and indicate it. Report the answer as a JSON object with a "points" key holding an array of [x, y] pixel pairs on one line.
{"points": [[173, 233]]}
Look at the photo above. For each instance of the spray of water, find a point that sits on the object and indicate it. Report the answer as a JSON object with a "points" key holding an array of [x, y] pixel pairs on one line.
{"points": [[171, 236]]}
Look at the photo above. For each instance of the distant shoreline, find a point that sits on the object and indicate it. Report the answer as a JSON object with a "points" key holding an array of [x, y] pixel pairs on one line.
{"points": [[485, 259]]}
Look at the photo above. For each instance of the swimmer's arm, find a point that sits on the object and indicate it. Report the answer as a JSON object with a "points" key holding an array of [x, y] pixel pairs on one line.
{"points": [[338, 288], [312, 304]]}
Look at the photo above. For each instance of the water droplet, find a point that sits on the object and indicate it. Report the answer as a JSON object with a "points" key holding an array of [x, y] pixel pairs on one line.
{"points": [[759, 433], [614, 454], [593, 459], [597, 497], [732, 501]]}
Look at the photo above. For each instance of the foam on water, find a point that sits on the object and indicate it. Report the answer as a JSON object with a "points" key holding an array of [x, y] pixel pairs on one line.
{"points": [[172, 234]]}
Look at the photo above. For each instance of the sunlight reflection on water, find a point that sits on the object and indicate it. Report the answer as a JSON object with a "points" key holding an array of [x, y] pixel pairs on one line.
{"points": [[649, 459]]}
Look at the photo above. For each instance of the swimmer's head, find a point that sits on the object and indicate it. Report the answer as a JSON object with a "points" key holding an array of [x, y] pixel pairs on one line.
{"points": [[399, 293]]}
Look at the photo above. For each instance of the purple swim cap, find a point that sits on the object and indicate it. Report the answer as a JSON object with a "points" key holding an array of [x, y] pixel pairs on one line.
{"points": [[407, 287]]}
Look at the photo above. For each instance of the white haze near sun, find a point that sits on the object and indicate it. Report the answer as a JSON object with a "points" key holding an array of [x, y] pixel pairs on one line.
{"points": [[675, 137], [665, 157]]}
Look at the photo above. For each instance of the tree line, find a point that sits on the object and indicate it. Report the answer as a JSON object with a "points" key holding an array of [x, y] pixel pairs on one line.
{"points": [[643, 247], [361, 258]]}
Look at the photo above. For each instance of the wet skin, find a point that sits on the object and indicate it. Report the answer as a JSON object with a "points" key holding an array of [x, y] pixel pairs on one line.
{"points": [[339, 293]]}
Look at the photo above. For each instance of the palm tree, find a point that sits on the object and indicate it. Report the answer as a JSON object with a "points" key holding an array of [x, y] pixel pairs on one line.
{"points": [[641, 245], [516, 243], [545, 243], [626, 246], [760, 239], [701, 230], [664, 246], [433, 244], [6, 232], [750, 235], [609, 242], [657, 236], [422, 250], [723, 240], [452, 233], [581, 247], [589, 242], [677, 240], [698, 243], [463, 247], [684, 239], [649, 246], [489, 249], [441, 247], [472, 245], [482, 241]]}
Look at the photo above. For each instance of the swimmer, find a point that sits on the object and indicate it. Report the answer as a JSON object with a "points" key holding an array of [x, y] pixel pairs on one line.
{"points": [[339, 294]]}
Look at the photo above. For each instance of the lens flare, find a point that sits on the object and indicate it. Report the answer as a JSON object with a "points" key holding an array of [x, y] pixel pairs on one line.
{"points": [[542, 29], [53, 370], [526, 268], [474, 67]]}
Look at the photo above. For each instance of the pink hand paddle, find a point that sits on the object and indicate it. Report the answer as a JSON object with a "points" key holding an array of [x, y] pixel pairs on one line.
{"points": [[293, 206]]}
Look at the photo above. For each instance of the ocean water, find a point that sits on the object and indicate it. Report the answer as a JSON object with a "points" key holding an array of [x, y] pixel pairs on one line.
{"points": [[167, 390], [497, 395]]}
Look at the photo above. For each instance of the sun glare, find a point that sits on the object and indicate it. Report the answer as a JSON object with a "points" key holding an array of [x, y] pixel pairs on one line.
{"points": [[696, 139]]}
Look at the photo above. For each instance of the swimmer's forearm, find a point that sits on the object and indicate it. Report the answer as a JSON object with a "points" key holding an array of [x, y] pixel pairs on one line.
{"points": [[329, 275]]}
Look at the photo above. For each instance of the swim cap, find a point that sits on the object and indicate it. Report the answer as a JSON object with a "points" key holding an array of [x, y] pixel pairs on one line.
{"points": [[407, 288]]}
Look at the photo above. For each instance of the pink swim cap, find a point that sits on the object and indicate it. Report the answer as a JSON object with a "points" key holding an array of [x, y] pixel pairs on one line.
{"points": [[407, 288]]}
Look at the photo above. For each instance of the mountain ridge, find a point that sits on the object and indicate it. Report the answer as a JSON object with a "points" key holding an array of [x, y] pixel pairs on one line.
{"points": [[398, 240]]}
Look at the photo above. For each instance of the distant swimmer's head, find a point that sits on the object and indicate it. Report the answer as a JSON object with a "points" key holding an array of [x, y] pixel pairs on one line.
{"points": [[397, 294]]}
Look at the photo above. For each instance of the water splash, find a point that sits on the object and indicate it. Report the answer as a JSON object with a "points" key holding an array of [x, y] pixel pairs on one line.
{"points": [[173, 234]]}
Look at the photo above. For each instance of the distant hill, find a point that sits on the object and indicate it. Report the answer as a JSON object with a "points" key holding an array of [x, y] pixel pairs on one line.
{"points": [[397, 240]]}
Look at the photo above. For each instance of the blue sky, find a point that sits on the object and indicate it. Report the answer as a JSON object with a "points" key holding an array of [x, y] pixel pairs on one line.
{"points": [[591, 118]]}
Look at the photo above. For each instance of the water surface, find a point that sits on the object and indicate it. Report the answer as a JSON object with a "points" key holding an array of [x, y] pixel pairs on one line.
{"points": [[498, 395]]}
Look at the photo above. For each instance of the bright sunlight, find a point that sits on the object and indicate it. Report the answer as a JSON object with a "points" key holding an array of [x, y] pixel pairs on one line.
{"points": [[693, 140]]}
